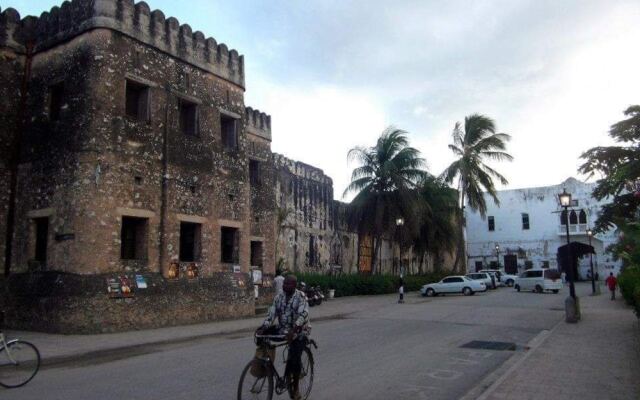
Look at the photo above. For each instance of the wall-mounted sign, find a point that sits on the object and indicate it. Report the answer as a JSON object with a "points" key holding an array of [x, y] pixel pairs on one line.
{"points": [[236, 269], [140, 282], [256, 274], [240, 280]]}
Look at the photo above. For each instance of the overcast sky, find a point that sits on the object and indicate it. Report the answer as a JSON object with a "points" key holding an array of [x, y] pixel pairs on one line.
{"points": [[333, 74]]}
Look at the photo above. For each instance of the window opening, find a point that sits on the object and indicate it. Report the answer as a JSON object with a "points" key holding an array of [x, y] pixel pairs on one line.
{"points": [[229, 132], [492, 223], [254, 173], [42, 239], [133, 238], [137, 101], [230, 240], [573, 218], [256, 254], [190, 241], [188, 118], [582, 217], [525, 221]]}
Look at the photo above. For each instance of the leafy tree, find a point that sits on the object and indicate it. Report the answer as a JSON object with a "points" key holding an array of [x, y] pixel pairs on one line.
{"points": [[384, 184], [619, 168], [473, 144], [437, 233]]}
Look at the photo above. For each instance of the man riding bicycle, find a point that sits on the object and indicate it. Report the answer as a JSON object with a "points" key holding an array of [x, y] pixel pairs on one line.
{"points": [[291, 310]]}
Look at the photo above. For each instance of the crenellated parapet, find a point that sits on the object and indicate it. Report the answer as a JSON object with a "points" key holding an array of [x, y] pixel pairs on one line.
{"points": [[258, 123], [135, 20], [301, 169]]}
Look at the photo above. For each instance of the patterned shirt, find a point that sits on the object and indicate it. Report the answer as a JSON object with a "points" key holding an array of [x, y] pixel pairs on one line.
{"points": [[292, 313]]}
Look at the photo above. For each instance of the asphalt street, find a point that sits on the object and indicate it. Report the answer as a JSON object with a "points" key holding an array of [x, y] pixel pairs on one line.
{"points": [[389, 351]]}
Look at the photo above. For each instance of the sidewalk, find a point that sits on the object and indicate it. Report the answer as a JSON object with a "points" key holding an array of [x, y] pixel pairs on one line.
{"points": [[55, 348], [597, 358]]}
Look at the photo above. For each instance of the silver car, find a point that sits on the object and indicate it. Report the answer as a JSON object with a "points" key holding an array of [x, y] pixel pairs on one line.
{"points": [[453, 284], [485, 277]]}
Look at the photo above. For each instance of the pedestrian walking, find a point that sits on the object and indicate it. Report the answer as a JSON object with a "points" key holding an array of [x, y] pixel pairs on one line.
{"points": [[278, 281], [612, 282], [563, 276], [401, 291]]}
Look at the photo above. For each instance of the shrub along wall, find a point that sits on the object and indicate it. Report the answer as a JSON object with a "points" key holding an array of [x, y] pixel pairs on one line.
{"points": [[354, 285], [629, 282]]}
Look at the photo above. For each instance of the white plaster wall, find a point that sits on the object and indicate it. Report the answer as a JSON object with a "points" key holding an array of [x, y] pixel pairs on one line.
{"points": [[540, 243]]}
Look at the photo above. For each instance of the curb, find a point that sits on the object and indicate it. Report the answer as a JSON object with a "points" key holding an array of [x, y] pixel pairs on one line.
{"points": [[483, 389], [122, 352]]}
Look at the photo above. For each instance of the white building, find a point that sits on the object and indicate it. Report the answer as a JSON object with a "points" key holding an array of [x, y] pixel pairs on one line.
{"points": [[528, 228]]}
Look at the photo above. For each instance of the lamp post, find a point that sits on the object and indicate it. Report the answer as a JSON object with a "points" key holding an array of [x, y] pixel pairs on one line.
{"points": [[593, 277], [399, 224], [571, 303], [497, 256], [565, 201]]}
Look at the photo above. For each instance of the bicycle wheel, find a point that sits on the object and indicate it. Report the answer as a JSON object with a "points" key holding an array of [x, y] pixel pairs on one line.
{"points": [[255, 388], [19, 363], [306, 374]]}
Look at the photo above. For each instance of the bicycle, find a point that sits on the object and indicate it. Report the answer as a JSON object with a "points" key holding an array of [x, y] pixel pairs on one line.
{"points": [[257, 378], [19, 360]]}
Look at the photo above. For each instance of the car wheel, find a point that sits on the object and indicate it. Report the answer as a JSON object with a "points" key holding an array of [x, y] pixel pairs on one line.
{"points": [[518, 288], [467, 291], [538, 289], [431, 292], [555, 291], [510, 282]]}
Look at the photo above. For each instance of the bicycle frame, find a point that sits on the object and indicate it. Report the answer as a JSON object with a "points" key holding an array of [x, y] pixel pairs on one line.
{"points": [[6, 347]]}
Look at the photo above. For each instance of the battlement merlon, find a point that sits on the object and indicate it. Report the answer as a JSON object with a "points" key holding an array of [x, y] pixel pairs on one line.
{"points": [[258, 123], [301, 169], [135, 20]]}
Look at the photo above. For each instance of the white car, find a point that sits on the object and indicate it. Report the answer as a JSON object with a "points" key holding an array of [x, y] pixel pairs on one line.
{"points": [[539, 280], [453, 284], [503, 277], [485, 277]]}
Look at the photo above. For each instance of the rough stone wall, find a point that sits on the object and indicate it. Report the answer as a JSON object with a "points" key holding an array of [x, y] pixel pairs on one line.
{"points": [[11, 73], [69, 303]]}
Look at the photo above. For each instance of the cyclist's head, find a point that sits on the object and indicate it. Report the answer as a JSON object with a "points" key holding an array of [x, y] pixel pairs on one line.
{"points": [[289, 284]]}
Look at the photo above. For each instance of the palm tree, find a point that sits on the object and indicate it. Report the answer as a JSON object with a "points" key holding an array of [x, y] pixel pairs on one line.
{"points": [[478, 142], [384, 184], [437, 233]]}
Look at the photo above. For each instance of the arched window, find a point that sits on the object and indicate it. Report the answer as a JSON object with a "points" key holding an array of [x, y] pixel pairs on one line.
{"points": [[582, 217], [573, 218], [563, 217]]}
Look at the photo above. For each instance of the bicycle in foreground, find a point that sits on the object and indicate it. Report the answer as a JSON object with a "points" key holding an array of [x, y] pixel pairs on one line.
{"points": [[260, 378], [19, 360]]}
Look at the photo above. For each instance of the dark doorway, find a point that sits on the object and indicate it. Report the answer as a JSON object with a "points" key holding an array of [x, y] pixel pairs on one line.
{"points": [[478, 266], [42, 239], [256, 254], [577, 250], [511, 264], [230, 245], [190, 234]]}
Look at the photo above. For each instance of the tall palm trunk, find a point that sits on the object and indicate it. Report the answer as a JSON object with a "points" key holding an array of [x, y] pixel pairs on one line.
{"points": [[460, 251]]}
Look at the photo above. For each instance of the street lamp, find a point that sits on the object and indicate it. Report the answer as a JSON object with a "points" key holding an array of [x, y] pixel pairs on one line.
{"points": [[497, 256], [399, 223], [593, 277], [572, 309]]}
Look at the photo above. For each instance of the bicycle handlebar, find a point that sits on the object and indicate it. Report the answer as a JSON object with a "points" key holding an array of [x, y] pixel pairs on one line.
{"points": [[276, 337]]}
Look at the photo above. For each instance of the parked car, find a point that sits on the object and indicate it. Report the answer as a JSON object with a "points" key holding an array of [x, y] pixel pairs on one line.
{"points": [[504, 278], [453, 284], [539, 280], [489, 281]]}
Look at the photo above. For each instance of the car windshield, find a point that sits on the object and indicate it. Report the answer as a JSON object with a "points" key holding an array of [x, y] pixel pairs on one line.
{"points": [[551, 274]]}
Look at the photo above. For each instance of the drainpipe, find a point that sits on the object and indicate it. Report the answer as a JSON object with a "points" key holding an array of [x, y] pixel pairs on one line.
{"points": [[14, 161], [165, 183]]}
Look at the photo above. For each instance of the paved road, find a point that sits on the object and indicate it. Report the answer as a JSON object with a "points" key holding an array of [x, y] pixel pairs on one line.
{"points": [[399, 351]]}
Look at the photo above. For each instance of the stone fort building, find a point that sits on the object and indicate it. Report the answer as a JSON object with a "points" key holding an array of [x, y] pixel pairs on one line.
{"points": [[126, 148]]}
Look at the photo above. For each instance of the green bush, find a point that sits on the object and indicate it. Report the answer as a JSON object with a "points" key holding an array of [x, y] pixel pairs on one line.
{"points": [[629, 282], [354, 285]]}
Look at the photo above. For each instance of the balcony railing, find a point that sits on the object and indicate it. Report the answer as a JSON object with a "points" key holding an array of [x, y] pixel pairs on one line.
{"points": [[574, 229]]}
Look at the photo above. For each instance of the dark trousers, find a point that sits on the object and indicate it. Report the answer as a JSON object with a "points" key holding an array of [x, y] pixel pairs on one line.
{"points": [[613, 294], [294, 356]]}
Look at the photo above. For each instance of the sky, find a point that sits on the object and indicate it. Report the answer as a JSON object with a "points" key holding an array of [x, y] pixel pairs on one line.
{"points": [[555, 75]]}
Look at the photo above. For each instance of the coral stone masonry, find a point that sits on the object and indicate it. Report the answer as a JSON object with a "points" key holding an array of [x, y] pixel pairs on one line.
{"points": [[127, 155]]}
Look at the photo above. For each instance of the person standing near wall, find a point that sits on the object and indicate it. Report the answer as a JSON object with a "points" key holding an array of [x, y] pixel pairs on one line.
{"points": [[278, 281], [612, 282], [401, 291]]}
